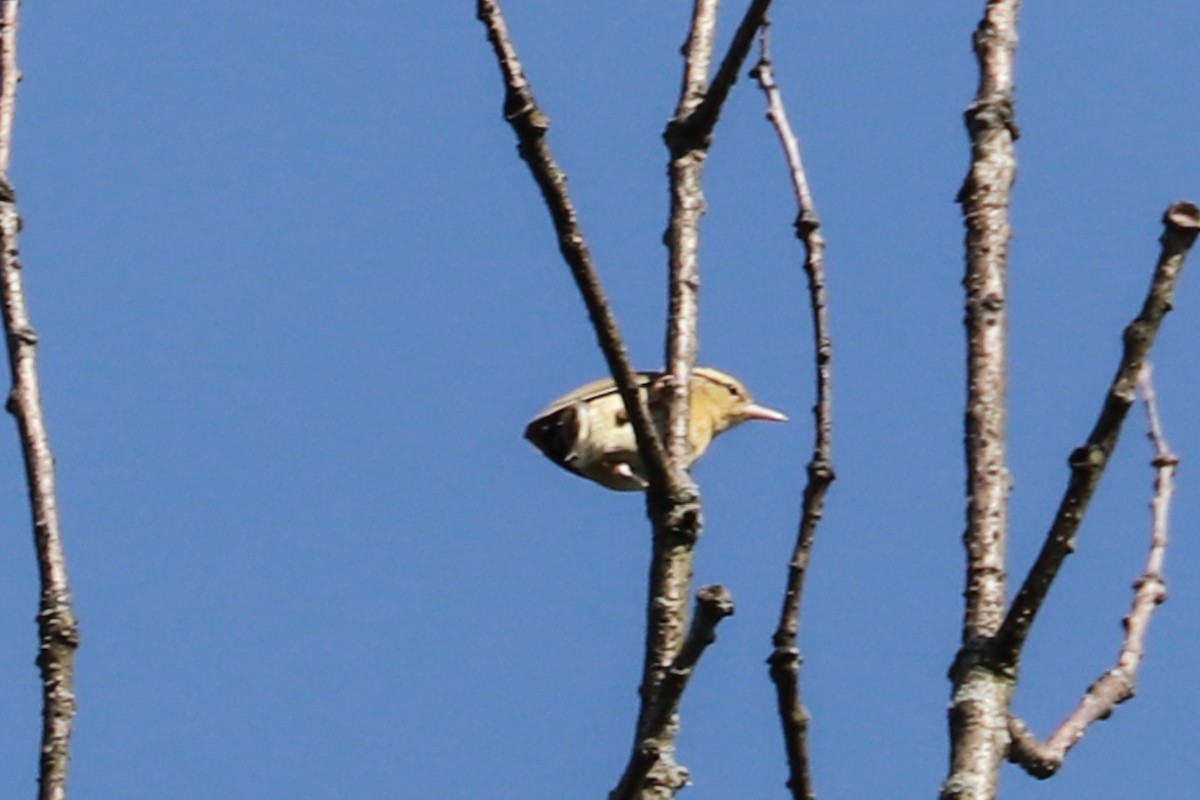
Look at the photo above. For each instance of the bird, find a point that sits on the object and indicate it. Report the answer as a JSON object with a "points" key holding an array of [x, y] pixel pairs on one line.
{"points": [[588, 432]]}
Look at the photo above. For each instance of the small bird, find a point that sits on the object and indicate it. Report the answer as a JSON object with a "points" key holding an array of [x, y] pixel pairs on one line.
{"points": [[589, 433]]}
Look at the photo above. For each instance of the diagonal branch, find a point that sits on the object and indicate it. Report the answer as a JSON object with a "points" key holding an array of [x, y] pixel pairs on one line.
{"points": [[785, 659], [1043, 759], [1181, 223], [58, 628], [531, 125]]}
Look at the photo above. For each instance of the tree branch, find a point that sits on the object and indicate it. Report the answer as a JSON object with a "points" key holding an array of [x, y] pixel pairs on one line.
{"points": [[785, 659], [686, 173], [1043, 759], [1182, 222], [677, 515], [672, 497], [713, 604], [58, 629], [709, 110], [688, 137], [980, 697], [531, 125]]}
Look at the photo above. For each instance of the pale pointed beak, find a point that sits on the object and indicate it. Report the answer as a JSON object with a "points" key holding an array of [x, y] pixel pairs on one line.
{"points": [[755, 411]]}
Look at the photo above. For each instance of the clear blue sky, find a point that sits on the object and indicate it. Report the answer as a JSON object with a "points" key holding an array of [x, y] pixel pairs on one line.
{"points": [[298, 297]]}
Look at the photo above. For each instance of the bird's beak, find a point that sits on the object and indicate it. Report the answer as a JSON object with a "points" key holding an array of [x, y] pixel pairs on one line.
{"points": [[755, 411]]}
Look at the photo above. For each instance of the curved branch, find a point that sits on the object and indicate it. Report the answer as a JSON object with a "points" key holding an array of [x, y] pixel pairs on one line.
{"points": [[785, 659], [672, 497]]}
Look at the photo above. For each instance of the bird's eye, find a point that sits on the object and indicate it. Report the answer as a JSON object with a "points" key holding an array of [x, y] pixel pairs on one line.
{"points": [[733, 390]]}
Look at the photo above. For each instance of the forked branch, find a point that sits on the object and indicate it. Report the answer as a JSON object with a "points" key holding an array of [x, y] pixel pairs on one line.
{"points": [[677, 517], [672, 498], [1181, 223], [1043, 759], [713, 604]]}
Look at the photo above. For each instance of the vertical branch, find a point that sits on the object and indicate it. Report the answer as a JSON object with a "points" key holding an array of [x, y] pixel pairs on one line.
{"points": [[676, 513], [676, 517], [58, 629], [785, 658], [10, 76], [686, 173], [981, 697]]}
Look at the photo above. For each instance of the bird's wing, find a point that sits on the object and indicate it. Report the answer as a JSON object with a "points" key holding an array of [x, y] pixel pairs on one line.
{"points": [[600, 388]]}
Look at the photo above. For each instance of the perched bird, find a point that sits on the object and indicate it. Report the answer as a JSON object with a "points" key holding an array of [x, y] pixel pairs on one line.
{"points": [[589, 433]]}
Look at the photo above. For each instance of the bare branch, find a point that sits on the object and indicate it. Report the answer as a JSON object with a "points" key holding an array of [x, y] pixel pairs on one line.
{"points": [[1181, 224], [980, 700], [58, 629], [677, 515], [986, 196], [1043, 759], [686, 171], [672, 497], [688, 137], [713, 604], [9, 79], [709, 111], [531, 125], [785, 659]]}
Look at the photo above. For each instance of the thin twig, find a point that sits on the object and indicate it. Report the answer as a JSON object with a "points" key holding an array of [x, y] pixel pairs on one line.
{"points": [[58, 629], [1043, 759], [785, 659], [531, 125], [980, 698], [1181, 223]]}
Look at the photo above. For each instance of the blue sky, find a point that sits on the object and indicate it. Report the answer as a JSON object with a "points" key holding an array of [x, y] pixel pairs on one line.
{"points": [[297, 298]]}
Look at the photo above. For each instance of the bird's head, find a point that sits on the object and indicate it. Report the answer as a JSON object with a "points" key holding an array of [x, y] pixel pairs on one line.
{"points": [[721, 401]]}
